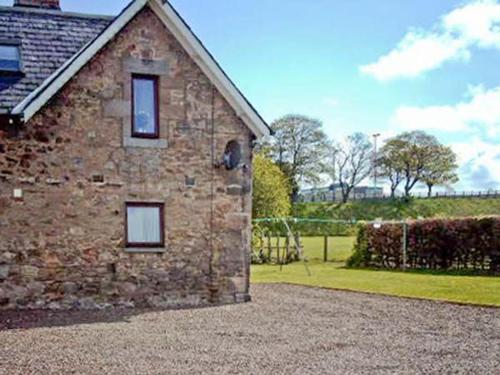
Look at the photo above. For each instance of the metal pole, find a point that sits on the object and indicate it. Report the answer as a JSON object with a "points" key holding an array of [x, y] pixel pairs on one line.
{"points": [[405, 245], [334, 165], [334, 173], [375, 159], [325, 249]]}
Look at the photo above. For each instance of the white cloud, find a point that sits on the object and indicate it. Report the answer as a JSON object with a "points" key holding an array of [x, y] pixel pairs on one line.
{"points": [[426, 118], [331, 101], [478, 116], [475, 24], [479, 113], [480, 164], [416, 53]]}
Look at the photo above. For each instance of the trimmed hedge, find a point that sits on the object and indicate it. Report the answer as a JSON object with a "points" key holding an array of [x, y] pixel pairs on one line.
{"points": [[438, 244]]}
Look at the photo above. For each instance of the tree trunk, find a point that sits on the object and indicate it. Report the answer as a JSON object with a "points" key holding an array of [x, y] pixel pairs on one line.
{"points": [[409, 186], [345, 195], [429, 190], [393, 192]]}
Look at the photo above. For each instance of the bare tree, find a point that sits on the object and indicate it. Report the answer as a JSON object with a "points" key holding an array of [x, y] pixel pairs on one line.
{"points": [[330, 164], [353, 162]]}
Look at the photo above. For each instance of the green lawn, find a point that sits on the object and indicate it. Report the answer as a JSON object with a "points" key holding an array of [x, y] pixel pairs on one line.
{"points": [[481, 290]]}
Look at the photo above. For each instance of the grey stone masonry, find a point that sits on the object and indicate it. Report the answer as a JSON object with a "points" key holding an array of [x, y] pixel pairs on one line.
{"points": [[145, 66], [67, 176], [121, 108]]}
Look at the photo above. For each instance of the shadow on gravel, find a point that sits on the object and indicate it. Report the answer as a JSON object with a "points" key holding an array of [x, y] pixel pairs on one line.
{"points": [[29, 319], [44, 318]]}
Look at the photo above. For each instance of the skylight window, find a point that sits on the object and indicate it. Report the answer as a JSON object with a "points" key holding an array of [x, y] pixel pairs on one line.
{"points": [[10, 59]]}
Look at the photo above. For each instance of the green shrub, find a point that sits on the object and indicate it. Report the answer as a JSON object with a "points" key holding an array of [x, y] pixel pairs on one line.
{"points": [[361, 255], [271, 189]]}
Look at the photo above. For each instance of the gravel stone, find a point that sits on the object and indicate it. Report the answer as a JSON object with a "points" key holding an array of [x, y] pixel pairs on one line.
{"points": [[285, 330], [4, 272]]}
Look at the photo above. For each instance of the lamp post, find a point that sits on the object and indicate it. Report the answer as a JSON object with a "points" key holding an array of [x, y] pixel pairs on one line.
{"points": [[334, 173], [375, 158]]}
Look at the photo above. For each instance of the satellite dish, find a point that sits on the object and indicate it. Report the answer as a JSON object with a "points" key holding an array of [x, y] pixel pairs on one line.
{"points": [[232, 155]]}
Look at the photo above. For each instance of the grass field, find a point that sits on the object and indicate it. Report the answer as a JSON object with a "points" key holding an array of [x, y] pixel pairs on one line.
{"points": [[480, 290], [398, 209]]}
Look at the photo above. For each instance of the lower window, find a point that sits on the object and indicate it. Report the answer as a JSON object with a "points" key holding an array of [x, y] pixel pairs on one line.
{"points": [[144, 225]]}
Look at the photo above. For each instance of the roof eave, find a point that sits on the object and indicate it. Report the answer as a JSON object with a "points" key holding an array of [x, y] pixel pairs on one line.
{"points": [[209, 65], [38, 98], [172, 20]]}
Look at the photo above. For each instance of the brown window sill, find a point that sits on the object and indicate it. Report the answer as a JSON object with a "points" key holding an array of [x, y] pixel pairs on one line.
{"points": [[145, 250]]}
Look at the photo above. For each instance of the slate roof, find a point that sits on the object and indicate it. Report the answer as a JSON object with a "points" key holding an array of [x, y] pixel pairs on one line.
{"points": [[48, 39]]}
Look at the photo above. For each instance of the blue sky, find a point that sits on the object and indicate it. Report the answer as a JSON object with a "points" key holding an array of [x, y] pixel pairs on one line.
{"points": [[363, 65]]}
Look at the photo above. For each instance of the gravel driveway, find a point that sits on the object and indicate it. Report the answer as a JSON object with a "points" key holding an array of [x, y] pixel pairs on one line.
{"points": [[286, 330]]}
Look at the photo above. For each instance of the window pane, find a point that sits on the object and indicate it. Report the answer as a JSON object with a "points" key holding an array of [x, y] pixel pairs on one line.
{"points": [[144, 225], [9, 58], [144, 106]]}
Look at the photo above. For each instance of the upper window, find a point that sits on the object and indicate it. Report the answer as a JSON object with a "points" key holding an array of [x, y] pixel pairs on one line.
{"points": [[145, 225], [10, 60], [145, 115]]}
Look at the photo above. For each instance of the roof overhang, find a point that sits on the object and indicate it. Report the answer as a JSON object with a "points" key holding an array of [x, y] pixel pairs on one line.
{"points": [[176, 25]]}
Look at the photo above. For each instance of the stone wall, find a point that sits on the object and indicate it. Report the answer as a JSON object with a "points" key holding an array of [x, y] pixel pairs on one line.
{"points": [[65, 178]]}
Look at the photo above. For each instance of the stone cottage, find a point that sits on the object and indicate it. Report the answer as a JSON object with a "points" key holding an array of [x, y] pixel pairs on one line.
{"points": [[125, 162]]}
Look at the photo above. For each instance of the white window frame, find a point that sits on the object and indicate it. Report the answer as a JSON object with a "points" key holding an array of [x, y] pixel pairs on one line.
{"points": [[146, 245]]}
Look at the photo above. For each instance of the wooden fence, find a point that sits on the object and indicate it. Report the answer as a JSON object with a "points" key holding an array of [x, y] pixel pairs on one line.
{"points": [[279, 248], [284, 249]]}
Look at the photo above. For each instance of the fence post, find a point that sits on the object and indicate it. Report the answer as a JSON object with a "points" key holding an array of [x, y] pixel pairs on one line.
{"points": [[269, 246], [278, 247], [287, 248], [325, 250], [405, 244], [262, 244], [298, 242]]}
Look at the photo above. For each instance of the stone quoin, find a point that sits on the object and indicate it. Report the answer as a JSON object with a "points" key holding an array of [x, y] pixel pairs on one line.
{"points": [[76, 177]]}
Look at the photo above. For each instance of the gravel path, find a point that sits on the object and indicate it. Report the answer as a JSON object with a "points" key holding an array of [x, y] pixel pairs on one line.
{"points": [[286, 330]]}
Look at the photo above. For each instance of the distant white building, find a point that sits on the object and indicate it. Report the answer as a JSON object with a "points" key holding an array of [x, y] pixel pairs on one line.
{"points": [[333, 193]]}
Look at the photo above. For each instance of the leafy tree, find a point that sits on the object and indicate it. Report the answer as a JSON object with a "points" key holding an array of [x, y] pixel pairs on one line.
{"points": [[298, 147], [414, 157], [441, 169], [390, 164], [271, 190], [293, 184], [353, 162]]}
